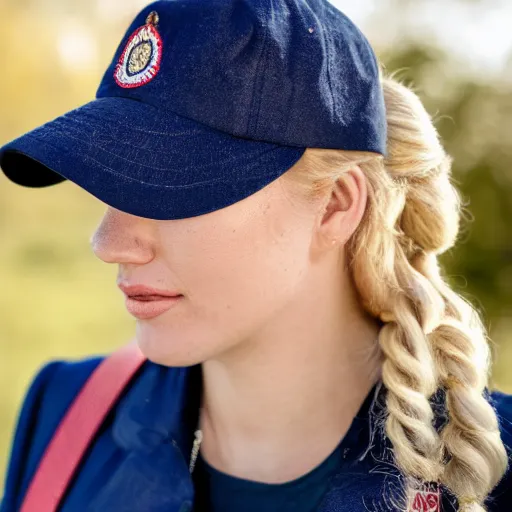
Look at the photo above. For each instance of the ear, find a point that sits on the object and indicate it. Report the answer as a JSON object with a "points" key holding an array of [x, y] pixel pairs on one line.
{"points": [[344, 210]]}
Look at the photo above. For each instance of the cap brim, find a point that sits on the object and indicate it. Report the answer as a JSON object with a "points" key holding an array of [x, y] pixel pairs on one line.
{"points": [[145, 161]]}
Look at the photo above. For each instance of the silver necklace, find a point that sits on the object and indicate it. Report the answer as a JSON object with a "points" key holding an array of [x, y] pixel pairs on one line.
{"points": [[195, 449]]}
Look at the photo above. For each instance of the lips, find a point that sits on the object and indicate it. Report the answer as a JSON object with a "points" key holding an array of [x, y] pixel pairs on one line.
{"points": [[145, 302], [147, 309], [148, 297], [140, 290]]}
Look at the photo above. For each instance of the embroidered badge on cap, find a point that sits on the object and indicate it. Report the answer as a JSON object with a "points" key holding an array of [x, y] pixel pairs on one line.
{"points": [[140, 61]]}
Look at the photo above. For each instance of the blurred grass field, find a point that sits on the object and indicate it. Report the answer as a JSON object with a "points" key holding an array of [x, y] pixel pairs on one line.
{"points": [[58, 300]]}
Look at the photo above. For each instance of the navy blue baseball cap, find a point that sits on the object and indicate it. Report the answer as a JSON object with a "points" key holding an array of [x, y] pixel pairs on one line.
{"points": [[206, 102]]}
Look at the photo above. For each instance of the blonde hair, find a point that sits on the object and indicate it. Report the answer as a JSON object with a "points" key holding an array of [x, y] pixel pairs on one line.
{"points": [[431, 337]]}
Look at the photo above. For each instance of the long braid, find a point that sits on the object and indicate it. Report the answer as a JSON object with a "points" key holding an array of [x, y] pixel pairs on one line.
{"points": [[431, 337], [472, 437], [389, 287]]}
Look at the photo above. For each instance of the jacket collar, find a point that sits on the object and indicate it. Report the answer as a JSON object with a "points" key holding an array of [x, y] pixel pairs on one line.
{"points": [[161, 406], [153, 425], [155, 421]]}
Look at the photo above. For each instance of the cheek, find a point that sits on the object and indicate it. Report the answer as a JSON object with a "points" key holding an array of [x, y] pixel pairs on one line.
{"points": [[247, 278], [233, 283]]}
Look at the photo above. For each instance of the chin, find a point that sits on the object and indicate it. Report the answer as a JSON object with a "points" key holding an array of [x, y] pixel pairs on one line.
{"points": [[167, 350]]}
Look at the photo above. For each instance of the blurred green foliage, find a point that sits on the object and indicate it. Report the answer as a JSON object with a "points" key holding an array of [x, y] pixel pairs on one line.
{"points": [[59, 301]]}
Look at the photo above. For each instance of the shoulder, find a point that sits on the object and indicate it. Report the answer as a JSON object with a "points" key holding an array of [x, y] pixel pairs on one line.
{"points": [[50, 393], [501, 497], [502, 404]]}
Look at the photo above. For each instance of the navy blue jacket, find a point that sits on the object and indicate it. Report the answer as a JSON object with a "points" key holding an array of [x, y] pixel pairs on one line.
{"points": [[139, 460]]}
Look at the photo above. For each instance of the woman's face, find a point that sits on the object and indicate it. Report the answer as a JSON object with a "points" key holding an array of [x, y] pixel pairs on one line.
{"points": [[235, 267]]}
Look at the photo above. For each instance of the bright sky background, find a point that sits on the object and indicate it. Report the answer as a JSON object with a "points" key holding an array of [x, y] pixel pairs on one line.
{"points": [[477, 33]]}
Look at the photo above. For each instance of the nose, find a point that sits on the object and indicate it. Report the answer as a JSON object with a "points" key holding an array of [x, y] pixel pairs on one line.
{"points": [[122, 238]]}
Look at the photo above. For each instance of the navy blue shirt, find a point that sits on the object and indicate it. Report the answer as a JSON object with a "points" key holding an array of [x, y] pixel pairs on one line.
{"points": [[217, 491], [139, 460]]}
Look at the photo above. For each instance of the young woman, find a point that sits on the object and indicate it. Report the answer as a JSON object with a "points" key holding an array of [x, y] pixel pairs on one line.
{"points": [[275, 206]]}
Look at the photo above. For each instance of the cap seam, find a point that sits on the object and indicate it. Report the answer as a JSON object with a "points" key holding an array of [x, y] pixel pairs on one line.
{"points": [[132, 161], [328, 67], [252, 124], [123, 176], [192, 131]]}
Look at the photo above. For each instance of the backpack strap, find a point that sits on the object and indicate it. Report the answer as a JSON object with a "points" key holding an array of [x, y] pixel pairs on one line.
{"points": [[78, 427]]}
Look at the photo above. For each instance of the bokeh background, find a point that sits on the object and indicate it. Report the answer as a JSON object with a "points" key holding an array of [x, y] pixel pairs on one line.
{"points": [[58, 301]]}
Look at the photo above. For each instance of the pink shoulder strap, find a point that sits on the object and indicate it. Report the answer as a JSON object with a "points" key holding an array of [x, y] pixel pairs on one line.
{"points": [[78, 427]]}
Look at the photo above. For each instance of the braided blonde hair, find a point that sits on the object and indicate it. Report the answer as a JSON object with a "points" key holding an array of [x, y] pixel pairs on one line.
{"points": [[431, 337]]}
